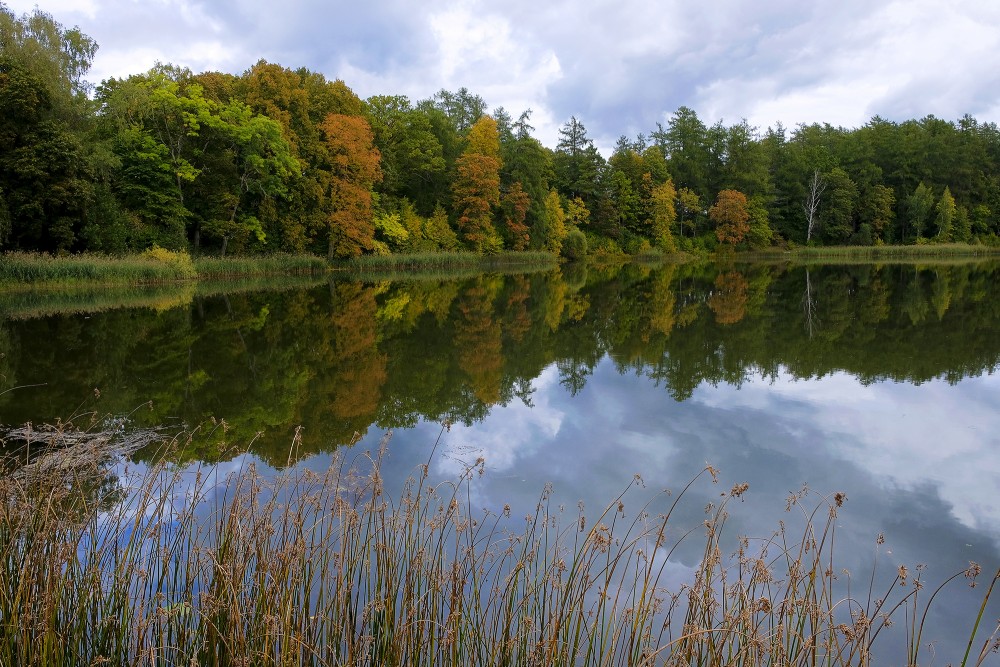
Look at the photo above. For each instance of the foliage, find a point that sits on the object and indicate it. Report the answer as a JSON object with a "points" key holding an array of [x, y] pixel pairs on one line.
{"points": [[477, 187], [354, 171], [244, 163], [574, 246], [180, 262], [731, 216]]}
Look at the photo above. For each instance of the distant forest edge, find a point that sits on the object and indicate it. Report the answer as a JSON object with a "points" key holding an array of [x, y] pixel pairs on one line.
{"points": [[282, 160]]}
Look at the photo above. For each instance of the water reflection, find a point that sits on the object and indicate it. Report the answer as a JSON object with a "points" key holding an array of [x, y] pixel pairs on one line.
{"points": [[872, 380]]}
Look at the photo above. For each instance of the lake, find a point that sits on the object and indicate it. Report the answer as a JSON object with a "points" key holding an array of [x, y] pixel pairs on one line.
{"points": [[876, 381]]}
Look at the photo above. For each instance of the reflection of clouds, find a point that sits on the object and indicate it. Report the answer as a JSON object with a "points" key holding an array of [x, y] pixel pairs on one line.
{"points": [[935, 433], [508, 433]]}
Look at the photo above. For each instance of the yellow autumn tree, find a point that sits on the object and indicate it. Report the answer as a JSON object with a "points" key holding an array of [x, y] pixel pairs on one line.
{"points": [[731, 215], [555, 230], [477, 187], [664, 215]]}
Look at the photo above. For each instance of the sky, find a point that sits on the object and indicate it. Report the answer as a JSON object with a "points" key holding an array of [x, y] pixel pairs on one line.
{"points": [[620, 67]]}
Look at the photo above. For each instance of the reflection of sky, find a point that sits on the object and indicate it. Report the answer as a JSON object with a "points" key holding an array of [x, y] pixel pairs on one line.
{"points": [[918, 463], [938, 435]]}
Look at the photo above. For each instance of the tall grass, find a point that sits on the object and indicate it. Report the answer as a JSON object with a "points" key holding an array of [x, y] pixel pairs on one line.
{"points": [[931, 252], [443, 261], [267, 265], [20, 269], [328, 568]]}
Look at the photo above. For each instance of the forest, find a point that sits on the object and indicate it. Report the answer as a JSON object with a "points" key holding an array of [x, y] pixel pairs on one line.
{"points": [[285, 160]]}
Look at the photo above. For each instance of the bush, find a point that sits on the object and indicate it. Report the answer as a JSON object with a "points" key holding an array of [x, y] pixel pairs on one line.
{"points": [[178, 260], [574, 246]]}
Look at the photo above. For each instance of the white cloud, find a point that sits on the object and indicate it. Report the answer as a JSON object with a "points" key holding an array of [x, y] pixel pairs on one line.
{"points": [[618, 66], [901, 433]]}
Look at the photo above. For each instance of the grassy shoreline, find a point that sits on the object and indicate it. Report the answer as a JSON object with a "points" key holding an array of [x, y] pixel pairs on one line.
{"points": [[870, 254], [329, 567], [445, 261], [20, 271], [28, 271]]}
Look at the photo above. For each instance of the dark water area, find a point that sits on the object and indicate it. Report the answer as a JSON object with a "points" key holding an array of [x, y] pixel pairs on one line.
{"points": [[875, 381]]}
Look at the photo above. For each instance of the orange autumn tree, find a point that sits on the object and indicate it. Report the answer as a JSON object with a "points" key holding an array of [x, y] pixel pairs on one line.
{"points": [[477, 186], [731, 216], [355, 170]]}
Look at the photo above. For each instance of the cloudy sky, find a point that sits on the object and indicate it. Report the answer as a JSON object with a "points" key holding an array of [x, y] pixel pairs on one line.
{"points": [[619, 66]]}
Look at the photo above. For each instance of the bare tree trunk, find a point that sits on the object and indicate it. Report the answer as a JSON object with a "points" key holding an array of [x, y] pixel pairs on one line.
{"points": [[811, 205]]}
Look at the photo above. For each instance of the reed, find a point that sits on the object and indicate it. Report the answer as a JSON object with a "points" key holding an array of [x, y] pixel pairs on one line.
{"points": [[280, 264], [922, 253], [20, 269], [443, 261], [102, 563]]}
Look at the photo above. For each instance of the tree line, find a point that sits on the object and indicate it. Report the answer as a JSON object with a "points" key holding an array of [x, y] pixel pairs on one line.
{"points": [[280, 159]]}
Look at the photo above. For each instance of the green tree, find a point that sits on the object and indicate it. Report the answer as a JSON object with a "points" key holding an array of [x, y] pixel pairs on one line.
{"points": [[684, 145], [43, 180], [576, 163], [760, 234], [688, 209], [413, 161], [836, 217], [918, 207], [945, 215], [56, 56]]}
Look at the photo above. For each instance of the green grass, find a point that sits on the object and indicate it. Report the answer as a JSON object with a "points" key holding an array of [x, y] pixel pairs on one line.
{"points": [[89, 299], [157, 266], [869, 254], [329, 568], [269, 265], [23, 270], [445, 261]]}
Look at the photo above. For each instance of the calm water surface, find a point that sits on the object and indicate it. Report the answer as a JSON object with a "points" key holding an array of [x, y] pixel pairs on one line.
{"points": [[877, 381]]}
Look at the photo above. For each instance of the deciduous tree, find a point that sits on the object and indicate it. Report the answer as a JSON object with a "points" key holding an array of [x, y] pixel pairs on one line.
{"points": [[731, 217], [355, 170], [477, 187]]}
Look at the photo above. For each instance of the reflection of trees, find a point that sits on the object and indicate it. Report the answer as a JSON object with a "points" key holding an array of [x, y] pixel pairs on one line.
{"points": [[729, 300], [344, 356], [477, 338], [355, 384]]}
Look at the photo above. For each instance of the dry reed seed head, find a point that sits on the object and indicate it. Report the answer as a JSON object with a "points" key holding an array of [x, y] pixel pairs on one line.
{"points": [[713, 472], [739, 489], [902, 573], [839, 498], [880, 540], [972, 572]]}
